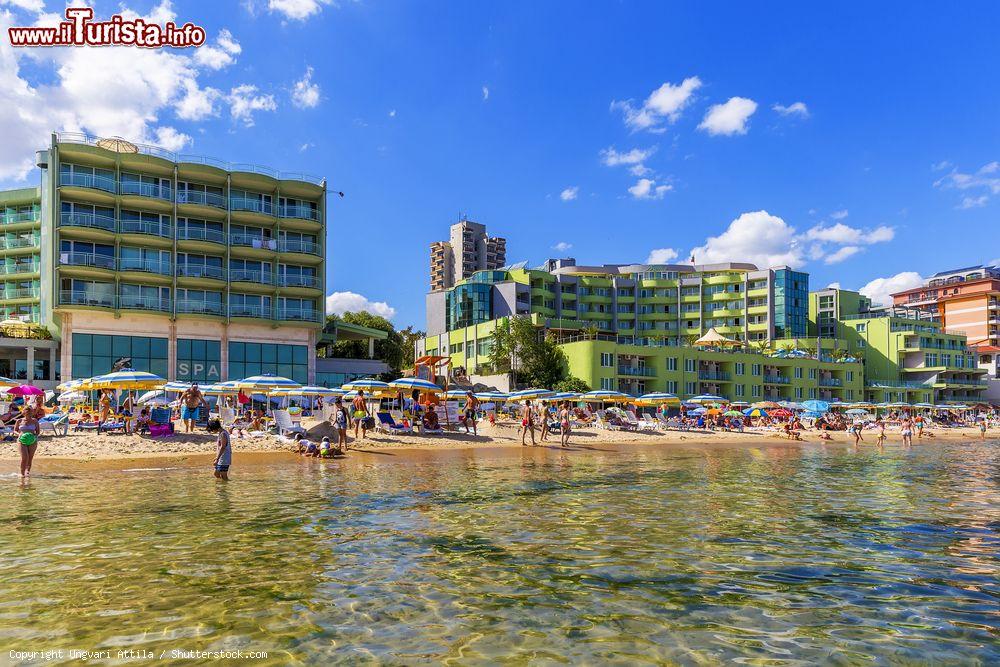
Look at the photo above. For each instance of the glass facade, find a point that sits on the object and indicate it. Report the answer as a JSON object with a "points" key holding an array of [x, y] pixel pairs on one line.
{"points": [[199, 360], [335, 380], [94, 354], [290, 361], [469, 304], [791, 304]]}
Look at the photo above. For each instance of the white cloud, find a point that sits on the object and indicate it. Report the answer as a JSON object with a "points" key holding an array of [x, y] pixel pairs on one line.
{"points": [[306, 146], [486, 93], [612, 158], [244, 101], [339, 303], [973, 202], [839, 215], [297, 10], [171, 139], [841, 254], [798, 109], [392, 113], [305, 93], [728, 118], [664, 104], [756, 237], [842, 234], [834, 285], [569, 194], [30, 5], [646, 188], [880, 289], [221, 55], [982, 184], [562, 246], [661, 256], [639, 170]]}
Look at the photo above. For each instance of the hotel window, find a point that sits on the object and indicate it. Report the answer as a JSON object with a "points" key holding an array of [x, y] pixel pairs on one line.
{"points": [[297, 309], [672, 386], [930, 359], [85, 253], [147, 297], [199, 301], [250, 305], [689, 365], [671, 363], [247, 359], [149, 260], [200, 266], [608, 384], [741, 368], [196, 193], [251, 271], [798, 373], [297, 242], [755, 391], [199, 360], [146, 186], [755, 370], [812, 392], [290, 275], [86, 293], [243, 200], [812, 373], [850, 376], [254, 237], [798, 392], [740, 390], [297, 208], [850, 394], [87, 177], [193, 229], [690, 388], [141, 222], [94, 354], [607, 359]]}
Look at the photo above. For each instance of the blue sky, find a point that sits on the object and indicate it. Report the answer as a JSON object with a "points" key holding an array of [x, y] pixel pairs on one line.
{"points": [[857, 142]]}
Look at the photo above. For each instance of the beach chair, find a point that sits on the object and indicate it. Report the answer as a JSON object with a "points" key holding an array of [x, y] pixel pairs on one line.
{"points": [[633, 420], [649, 423], [117, 426], [58, 424], [283, 422], [387, 424], [160, 423]]}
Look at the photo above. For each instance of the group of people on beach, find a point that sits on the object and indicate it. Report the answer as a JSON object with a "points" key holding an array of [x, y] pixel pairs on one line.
{"points": [[540, 416]]}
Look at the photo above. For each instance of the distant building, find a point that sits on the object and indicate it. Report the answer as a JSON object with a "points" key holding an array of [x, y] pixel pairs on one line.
{"points": [[468, 249]]}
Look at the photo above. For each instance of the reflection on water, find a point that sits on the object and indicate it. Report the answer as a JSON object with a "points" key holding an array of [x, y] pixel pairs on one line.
{"points": [[647, 555]]}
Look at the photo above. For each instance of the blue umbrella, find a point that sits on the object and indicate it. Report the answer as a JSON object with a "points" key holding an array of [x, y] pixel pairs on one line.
{"points": [[529, 394], [707, 398], [816, 406], [415, 383]]}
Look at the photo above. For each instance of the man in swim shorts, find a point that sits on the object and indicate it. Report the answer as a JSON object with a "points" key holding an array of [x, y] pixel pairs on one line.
{"points": [[191, 401]]}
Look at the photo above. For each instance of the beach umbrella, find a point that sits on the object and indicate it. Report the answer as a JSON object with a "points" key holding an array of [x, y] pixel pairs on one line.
{"points": [[780, 412], [262, 383], [493, 396], [856, 411], [561, 396], [601, 395], [367, 385], [7, 382], [924, 406], [702, 399], [409, 384], [72, 397], [177, 386], [455, 394], [732, 413], [128, 378], [150, 395], [699, 411], [24, 390], [896, 405], [68, 385], [765, 405], [755, 412], [791, 405], [816, 406], [530, 394], [659, 397], [739, 404], [310, 390]]}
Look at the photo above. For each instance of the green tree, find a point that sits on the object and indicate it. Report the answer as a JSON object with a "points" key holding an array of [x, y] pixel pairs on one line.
{"points": [[409, 336], [520, 349], [389, 350], [572, 383]]}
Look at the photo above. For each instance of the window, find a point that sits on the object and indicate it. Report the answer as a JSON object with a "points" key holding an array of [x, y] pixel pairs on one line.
{"points": [[608, 384], [95, 354], [199, 360], [689, 365], [850, 376], [192, 229], [850, 394], [671, 363], [741, 368], [812, 392], [85, 253], [798, 372], [607, 360], [755, 370], [242, 200], [290, 361], [148, 260], [672, 386], [250, 305], [146, 297], [741, 390], [812, 373], [755, 391], [690, 388], [798, 392], [146, 186]]}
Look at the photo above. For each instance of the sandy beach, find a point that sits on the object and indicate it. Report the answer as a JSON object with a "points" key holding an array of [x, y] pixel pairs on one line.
{"points": [[109, 447]]}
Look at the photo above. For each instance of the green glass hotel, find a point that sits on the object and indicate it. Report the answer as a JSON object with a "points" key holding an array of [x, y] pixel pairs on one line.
{"points": [[193, 268]]}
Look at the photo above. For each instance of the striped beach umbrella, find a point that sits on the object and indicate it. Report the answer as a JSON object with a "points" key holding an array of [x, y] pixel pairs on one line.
{"points": [[220, 388], [68, 385], [530, 394], [493, 396], [263, 383], [755, 412], [765, 405], [409, 384], [601, 395], [127, 379], [454, 394], [7, 382], [659, 398], [816, 406], [563, 396], [924, 406], [703, 399], [177, 386], [366, 384]]}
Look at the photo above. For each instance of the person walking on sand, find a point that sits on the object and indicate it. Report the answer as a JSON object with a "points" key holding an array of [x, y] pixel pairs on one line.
{"points": [[224, 450], [543, 421], [471, 407], [191, 401], [982, 429], [360, 407], [104, 406], [527, 423], [564, 424], [907, 432], [27, 440], [918, 421], [126, 408], [340, 421]]}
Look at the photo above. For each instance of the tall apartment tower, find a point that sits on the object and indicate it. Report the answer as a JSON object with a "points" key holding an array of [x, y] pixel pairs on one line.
{"points": [[467, 250]]}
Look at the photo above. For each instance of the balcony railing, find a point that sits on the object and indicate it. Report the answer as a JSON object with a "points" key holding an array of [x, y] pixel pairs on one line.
{"points": [[21, 242], [298, 211], [84, 298], [201, 271], [308, 247], [204, 198], [84, 219], [636, 371], [250, 310], [251, 204], [144, 264], [94, 181], [299, 281], [137, 302], [299, 314], [23, 267], [831, 382], [777, 379], [200, 307], [13, 218], [145, 227], [21, 293], [251, 241], [146, 190], [201, 234], [87, 259], [714, 375], [251, 276]]}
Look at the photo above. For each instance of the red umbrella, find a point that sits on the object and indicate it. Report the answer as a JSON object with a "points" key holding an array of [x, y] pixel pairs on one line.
{"points": [[25, 390], [780, 412]]}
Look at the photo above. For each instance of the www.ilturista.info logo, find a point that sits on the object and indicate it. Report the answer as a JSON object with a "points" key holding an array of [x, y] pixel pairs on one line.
{"points": [[81, 30]]}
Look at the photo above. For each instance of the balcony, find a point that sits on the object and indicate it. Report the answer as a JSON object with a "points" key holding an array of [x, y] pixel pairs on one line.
{"points": [[298, 211], [777, 379], [146, 190], [84, 219], [84, 298], [21, 293], [14, 218], [145, 227], [203, 198], [87, 259], [249, 241], [299, 314], [252, 204], [717, 376], [299, 281], [200, 307], [201, 234], [250, 310], [14, 269], [201, 271], [15, 243], [136, 302], [307, 247], [636, 371], [831, 382], [93, 181], [144, 265], [251, 276]]}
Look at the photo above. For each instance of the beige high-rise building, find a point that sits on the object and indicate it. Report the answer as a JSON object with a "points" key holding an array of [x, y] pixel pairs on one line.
{"points": [[467, 250]]}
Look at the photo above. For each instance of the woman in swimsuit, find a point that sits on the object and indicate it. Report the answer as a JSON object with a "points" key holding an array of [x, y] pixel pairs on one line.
{"points": [[27, 440], [907, 432], [527, 424], [564, 425]]}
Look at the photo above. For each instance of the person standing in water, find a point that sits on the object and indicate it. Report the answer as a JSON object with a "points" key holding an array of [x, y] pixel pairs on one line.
{"points": [[471, 407], [856, 427], [527, 423], [224, 450], [564, 424], [907, 432], [27, 440]]}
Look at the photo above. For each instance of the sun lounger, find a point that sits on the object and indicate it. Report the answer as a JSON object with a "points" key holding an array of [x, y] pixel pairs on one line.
{"points": [[387, 424], [111, 427], [58, 424], [648, 423], [283, 422]]}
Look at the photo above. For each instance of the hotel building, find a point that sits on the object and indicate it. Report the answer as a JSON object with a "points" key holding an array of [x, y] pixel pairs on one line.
{"points": [[469, 249], [193, 268]]}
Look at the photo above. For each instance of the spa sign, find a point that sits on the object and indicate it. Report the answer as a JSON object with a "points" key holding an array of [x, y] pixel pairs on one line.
{"points": [[197, 370]]}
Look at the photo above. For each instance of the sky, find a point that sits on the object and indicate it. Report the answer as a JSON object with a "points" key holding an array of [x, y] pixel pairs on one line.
{"points": [[856, 141]]}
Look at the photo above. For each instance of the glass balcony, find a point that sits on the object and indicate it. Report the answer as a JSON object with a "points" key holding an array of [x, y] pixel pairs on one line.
{"points": [[252, 204], [145, 227], [830, 382], [718, 376], [144, 264], [251, 276], [250, 310], [299, 281], [85, 298], [23, 267], [777, 379], [203, 198], [298, 211], [87, 259], [201, 271], [635, 371], [84, 219], [201, 234], [251, 241], [308, 247], [94, 181], [12, 218], [299, 314], [21, 293], [200, 307], [20, 242], [146, 190], [137, 302]]}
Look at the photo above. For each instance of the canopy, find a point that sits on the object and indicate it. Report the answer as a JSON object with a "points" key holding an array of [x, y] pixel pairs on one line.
{"points": [[600, 395], [528, 394], [707, 398], [265, 382], [128, 378], [713, 338], [409, 384]]}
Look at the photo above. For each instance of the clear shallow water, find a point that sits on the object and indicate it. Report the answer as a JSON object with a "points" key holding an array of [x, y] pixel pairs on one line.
{"points": [[649, 555]]}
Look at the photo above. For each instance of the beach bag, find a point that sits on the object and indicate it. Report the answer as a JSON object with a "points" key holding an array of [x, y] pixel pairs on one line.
{"points": [[161, 429], [368, 422]]}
